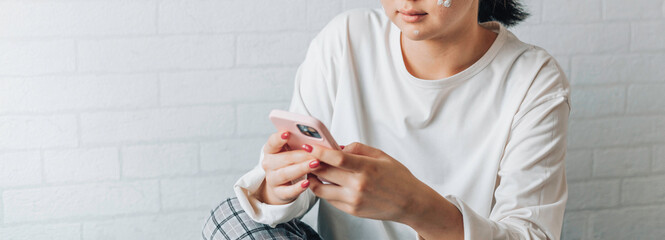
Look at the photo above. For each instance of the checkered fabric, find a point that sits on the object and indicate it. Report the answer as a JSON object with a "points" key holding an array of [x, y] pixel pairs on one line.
{"points": [[229, 221]]}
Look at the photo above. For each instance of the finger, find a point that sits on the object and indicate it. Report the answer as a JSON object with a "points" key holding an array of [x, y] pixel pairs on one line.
{"points": [[328, 192], [291, 191], [283, 159], [337, 158], [276, 141], [362, 149], [291, 172], [335, 175]]}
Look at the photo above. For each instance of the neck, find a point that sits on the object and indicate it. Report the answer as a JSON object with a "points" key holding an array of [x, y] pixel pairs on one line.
{"points": [[447, 55]]}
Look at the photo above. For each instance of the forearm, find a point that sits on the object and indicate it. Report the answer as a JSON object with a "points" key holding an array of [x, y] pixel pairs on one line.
{"points": [[434, 217]]}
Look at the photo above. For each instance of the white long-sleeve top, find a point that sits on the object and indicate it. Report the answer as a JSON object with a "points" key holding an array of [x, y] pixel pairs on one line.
{"points": [[490, 139]]}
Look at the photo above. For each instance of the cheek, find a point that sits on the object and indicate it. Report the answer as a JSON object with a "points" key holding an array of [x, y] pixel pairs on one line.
{"points": [[389, 9], [455, 7], [388, 5], [440, 17], [443, 16]]}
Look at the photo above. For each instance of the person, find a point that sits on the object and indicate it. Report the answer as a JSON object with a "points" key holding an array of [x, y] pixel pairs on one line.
{"points": [[457, 131]]}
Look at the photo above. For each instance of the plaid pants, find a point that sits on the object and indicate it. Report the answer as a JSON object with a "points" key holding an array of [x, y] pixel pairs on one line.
{"points": [[230, 222]]}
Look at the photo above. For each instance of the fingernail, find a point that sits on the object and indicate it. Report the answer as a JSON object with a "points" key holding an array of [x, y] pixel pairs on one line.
{"points": [[307, 148], [285, 135], [305, 184], [314, 164], [341, 146]]}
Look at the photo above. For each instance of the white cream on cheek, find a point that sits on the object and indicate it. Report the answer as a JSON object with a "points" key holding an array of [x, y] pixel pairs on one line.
{"points": [[445, 3]]}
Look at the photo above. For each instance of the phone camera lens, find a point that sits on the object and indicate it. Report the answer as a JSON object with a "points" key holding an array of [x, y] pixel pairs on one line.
{"points": [[309, 131]]}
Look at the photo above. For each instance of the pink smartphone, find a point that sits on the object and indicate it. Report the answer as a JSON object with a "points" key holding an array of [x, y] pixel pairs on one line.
{"points": [[304, 130]]}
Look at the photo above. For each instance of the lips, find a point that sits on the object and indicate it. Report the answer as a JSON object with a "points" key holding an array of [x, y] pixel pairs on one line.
{"points": [[411, 12], [411, 15]]}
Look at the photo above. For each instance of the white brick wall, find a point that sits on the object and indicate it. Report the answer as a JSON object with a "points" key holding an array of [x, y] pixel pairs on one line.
{"points": [[227, 86], [278, 49], [211, 16], [160, 160], [658, 159], [637, 9], [185, 193], [579, 164], [42, 231], [605, 194], [128, 119], [157, 124], [34, 132], [603, 69], [598, 101], [77, 93], [73, 18], [176, 225], [628, 223], [579, 38], [80, 201], [20, 168], [648, 36], [571, 11], [646, 98], [81, 165], [241, 154], [646, 187], [36, 57], [156, 53], [618, 162]]}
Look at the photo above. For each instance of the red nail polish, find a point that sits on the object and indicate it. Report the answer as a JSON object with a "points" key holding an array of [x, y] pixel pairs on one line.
{"points": [[314, 164], [285, 135], [305, 184], [341, 146], [307, 148]]}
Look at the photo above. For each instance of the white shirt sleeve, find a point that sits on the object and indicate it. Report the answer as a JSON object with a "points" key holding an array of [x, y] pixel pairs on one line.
{"points": [[531, 192], [311, 96]]}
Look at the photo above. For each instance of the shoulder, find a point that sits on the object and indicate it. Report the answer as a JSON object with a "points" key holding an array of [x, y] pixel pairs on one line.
{"points": [[532, 73], [548, 79], [533, 66]]}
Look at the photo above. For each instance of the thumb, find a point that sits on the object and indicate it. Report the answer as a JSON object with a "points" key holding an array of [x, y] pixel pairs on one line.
{"points": [[362, 149]]}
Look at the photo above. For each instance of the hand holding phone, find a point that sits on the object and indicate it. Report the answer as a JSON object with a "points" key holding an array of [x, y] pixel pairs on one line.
{"points": [[285, 170], [305, 130]]}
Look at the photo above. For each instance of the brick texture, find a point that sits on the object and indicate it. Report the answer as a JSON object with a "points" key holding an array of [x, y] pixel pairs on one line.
{"points": [[73, 18], [77, 93], [130, 119], [81, 165], [71, 231], [80, 201], [20, 168], [36, 57], [178, 225], [160, 160], [34, 132], [156, 53]]}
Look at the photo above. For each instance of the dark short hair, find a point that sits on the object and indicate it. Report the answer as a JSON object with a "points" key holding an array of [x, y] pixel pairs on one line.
{"points": [[507, 12]]}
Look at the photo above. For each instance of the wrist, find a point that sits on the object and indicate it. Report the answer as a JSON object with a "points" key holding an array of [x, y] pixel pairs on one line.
{"points": [[415, 208], [263, 194], [260, 193], [433, 216]]}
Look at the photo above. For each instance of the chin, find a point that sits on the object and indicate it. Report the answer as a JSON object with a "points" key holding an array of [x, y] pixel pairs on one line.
{"points": [[413, 36], [414, 33]]}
